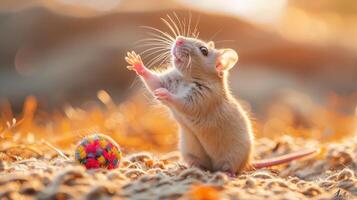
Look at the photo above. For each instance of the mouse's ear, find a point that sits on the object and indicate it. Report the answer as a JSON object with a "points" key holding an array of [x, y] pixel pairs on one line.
{"points": [[227, 58], [210, 44]]}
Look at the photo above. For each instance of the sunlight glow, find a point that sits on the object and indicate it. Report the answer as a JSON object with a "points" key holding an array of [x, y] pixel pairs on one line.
{"points": [[254, 10], [103, 5]]}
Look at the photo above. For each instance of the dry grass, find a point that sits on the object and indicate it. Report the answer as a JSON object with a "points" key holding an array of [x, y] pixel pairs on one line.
{"points": [[29, 168]]}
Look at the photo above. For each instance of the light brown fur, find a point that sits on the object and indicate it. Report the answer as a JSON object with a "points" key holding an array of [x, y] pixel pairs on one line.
{"points": [[215, 132]]}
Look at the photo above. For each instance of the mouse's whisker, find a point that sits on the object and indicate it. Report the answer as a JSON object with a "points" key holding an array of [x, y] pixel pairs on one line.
{"points": [[189, 23], [175, 25], [195, 32], [154, 63], [154, 48], [215, 34], [159, 36], [164, 60], [152, 45], [153, 40], [156, 58], [222, 41], [188, 65], [135, 82], [170, 27], [184, 27], [154, 52], [160, 31], [179, 22]]}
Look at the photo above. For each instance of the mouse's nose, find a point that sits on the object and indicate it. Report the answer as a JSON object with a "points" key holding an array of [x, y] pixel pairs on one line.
{"points": [[180, 41]]}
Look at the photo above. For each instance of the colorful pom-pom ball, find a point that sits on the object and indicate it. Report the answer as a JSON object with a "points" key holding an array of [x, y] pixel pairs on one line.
{"points": [[98, 151]]}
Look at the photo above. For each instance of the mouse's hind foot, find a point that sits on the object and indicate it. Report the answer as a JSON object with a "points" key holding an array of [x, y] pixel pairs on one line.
{"points": [[227, 168], [193, 161], [197, 164]]}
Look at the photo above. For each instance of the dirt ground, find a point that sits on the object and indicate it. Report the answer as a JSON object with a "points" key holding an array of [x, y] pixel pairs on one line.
{"points": [[331, 174]]}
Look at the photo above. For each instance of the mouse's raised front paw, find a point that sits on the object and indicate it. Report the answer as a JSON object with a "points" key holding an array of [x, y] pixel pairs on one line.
{"points": [[162, 94], [135, 62]]}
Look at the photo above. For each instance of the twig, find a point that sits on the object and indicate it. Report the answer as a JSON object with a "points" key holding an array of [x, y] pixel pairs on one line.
{"points": [[56, 149]]}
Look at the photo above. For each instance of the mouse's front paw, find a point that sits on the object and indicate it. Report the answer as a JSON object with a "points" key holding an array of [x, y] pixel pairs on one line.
{"points": [[162, 94], [135, 62]]}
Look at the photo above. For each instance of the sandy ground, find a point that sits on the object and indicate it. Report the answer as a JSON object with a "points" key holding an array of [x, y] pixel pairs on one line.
{"points": [[332, 174]]}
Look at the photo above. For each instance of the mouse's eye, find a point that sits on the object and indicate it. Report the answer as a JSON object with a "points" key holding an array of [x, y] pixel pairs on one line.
{"points": [[204, 50]]}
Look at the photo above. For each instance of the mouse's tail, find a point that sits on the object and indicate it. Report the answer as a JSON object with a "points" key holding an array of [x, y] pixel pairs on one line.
{"points": [[283, 159]]}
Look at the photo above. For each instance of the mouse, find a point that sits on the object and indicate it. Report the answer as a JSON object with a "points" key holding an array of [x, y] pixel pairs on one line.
{"points": [[215, 132]]}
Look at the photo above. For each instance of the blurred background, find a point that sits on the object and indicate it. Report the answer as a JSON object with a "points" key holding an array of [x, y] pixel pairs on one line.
{"points": [[63, 74]]}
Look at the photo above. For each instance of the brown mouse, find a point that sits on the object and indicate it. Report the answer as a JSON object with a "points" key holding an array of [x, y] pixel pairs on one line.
{"points": [[215, 131]]}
